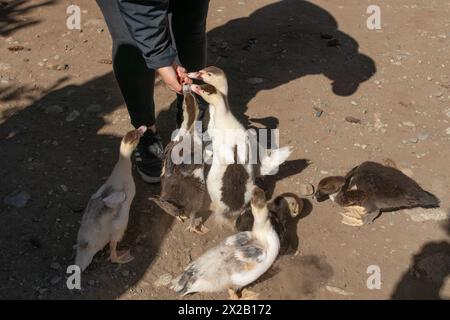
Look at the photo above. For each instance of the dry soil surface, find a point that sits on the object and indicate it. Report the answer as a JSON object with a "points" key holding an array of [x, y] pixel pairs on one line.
{"points": [[300, 66]]}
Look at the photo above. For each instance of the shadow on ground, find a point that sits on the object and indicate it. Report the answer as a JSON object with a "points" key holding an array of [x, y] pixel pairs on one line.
{"points": [[11, 13], [426, 276], [43, 154], [282, 42], [60, 164]]}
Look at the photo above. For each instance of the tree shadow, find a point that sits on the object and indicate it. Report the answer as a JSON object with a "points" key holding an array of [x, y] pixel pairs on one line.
{"points": [[11, 13], [282, 42], [427, 273]]}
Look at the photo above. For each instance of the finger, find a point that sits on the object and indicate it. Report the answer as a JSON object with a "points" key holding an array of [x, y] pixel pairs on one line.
{"points": [[181, 69], [187, 80], [176, 86], [169, 76], [181, 72], [173, 84]]}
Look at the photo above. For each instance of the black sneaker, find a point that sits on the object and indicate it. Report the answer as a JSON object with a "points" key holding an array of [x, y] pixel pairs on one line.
{"points": [[148, 157]]}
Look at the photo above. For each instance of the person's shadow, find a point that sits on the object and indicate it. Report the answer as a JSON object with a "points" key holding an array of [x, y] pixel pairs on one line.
{"points": [[282, 42], [427, 273]]}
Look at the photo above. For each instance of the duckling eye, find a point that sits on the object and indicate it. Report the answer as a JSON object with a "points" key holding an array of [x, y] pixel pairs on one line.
{"points": [[209, 74]]}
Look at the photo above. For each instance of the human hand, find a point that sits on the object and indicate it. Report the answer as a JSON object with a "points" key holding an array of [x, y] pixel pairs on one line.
{"points": [[182, 74], [174, 77]]}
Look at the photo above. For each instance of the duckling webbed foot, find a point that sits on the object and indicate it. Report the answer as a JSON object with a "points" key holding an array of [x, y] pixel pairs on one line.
{"points": [[121, 257], [244, 295], [232, 295], [249, 295], [353, 216], [196, 226], [370, 217]]}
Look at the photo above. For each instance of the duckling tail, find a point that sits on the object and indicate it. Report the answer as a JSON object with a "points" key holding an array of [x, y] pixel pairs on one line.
{"points": [[168, 207], [429, 200], [270, 163], [183, 283]]}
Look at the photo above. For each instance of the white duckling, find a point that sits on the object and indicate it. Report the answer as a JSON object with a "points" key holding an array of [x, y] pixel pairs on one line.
{"points": [[230, 179], [236, 262], [371, 188], [270, 159], [213, 76], [106, 216], [183, 185], [218, 79]]}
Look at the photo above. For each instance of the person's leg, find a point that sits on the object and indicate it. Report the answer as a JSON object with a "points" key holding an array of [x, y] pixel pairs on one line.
{"points": [[136, 82], [189, 32], [135, 79]]}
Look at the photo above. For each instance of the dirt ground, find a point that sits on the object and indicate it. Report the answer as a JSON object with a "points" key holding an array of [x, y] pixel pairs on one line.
{"points": [[62, 116]]}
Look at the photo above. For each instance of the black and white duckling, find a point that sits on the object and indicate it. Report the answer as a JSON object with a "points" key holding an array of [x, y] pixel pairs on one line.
{"points": [[371, 188], [106, 216], [183, 184], [270, 160], [230, 180], [237, 261]]}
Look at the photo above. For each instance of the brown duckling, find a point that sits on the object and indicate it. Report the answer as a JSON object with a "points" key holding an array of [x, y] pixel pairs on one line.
{"points": [[371, 188], [183, 185]]}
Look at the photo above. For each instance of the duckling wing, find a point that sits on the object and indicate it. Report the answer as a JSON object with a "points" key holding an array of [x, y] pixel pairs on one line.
{"points": [[250, 255], [247, 250], [187, 155], [213, 270], [208, 273], [168, 164], [353, 198], [239, 239], [106, 201], [103, 207], [349, 179]]}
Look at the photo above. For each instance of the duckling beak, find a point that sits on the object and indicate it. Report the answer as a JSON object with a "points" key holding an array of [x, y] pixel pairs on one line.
{"points": [[320, 196], [141, 130], [196, 89], [195, 75], [258, 199]]}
